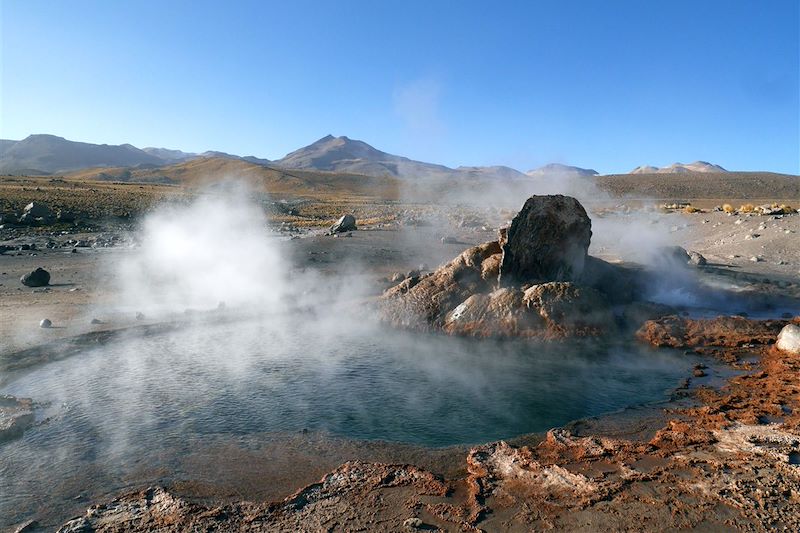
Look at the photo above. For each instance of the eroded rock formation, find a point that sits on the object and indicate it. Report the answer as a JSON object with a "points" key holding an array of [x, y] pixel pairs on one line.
{"points": [[536, 280]]}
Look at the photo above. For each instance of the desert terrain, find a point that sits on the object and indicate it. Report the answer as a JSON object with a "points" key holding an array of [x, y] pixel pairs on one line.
{"points": [[721, 454]]}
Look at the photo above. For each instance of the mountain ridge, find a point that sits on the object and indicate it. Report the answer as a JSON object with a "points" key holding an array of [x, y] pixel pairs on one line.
{"points": [[679, 168], [50, 154]]}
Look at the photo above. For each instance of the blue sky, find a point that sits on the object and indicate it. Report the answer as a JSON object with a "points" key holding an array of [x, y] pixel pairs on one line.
{"points": [[604, 84]]}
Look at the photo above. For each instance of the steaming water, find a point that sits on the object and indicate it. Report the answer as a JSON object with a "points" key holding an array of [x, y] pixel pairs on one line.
{"points": [[143, 401]]}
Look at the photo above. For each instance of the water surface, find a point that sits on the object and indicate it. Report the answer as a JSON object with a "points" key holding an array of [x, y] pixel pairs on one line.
{"points": [[143, 402]]}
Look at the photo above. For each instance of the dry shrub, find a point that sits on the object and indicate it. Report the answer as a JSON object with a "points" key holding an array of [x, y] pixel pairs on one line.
{"points": [[728, 208], [747, 208], [691, 209]]}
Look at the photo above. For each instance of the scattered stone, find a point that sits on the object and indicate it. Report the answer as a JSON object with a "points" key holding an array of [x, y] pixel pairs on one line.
{"points": [[45, 323], [139, 316], [548, 241], [37, 278], [671, 256], [97, 321], [756, 259], [447, 239], [412, 523], [699, 373], [789, 339], [344, 224], [697, 259]]}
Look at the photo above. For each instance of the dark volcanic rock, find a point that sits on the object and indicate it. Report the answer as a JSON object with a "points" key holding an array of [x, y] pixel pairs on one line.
{"points": [[621, 284], [346, 223], [671, 256], [697, 259], [37, 278], [36, 212], [548, 241]]}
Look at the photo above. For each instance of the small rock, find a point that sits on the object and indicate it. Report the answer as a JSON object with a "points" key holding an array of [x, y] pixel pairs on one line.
{"points": [[412, 523], [344, 224], [139, 316], [699, 373], [449, 240], [37, 278], [45, 323], [697, 259], [97, 321]]}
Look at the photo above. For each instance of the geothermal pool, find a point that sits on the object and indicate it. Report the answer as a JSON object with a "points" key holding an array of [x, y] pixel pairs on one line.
{"points": [[142, 401]]}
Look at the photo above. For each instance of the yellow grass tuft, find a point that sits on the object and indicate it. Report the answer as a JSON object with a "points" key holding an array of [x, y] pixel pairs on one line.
{"points": [[747, 208], [728, 208]]}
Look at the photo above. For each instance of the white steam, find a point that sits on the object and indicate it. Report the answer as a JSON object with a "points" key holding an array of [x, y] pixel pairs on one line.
{"points": [[215, 249]]}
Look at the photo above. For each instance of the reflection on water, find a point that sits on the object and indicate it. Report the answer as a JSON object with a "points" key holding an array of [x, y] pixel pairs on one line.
{"points": [[141, 403]]}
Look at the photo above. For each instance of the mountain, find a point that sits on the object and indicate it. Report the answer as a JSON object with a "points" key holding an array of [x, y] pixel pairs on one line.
{"points": [[224, 155], [169, 156], [679, 168], [557, 169], [342, 154], [497, 171], [46, 154]]}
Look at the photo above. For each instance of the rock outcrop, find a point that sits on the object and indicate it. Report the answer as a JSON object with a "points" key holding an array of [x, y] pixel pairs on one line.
{"points": [[723, 331], [548, 241], [16, 415], [36, 213], [536, 280]]}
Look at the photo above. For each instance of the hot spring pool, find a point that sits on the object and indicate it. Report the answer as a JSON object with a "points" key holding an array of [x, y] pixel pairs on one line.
{"points": [[144, 400]]}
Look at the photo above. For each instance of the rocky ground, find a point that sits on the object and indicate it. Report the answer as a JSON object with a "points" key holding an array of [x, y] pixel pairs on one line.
{"points": [[729, 461]]}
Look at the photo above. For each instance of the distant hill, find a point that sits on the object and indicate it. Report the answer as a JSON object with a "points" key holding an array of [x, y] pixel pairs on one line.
{"points": [[709, 185], [492, 172], [47, 154], [342, 154], [556, 169], [169, 156], [205, 171], [679, 168]]}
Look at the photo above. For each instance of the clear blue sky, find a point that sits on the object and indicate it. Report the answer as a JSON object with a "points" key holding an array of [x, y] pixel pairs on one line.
{"points": [[603, 84]]}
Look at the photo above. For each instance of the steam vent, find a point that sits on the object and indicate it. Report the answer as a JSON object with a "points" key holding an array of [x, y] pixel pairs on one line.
{"points": [[536, 280]]}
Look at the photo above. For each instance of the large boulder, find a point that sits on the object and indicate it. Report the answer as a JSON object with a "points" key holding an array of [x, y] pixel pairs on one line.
{"points": [[548, 240], [36, 213], [37, 278], [346, 223]]}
